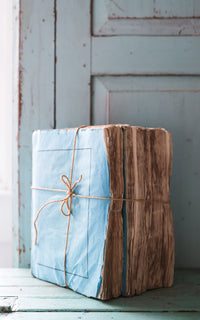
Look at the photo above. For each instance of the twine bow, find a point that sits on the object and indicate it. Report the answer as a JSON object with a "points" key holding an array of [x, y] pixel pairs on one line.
{"points": [[70, 193], [68, 199]]}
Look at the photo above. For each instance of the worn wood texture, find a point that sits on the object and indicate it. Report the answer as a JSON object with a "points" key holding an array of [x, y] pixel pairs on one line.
{"points": [[73, 60], [34, 106], [134, 46], [15, 150], [127, 17], [153, 9], [148, 27], [30, 302], [100, 315], [145, 55], [113, 254]]}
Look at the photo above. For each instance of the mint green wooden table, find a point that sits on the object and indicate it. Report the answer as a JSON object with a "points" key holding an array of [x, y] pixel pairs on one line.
{"points": [[24, 297]]}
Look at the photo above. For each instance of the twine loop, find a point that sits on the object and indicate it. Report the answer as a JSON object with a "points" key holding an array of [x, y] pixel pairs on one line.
{"points": [[69, 192]]}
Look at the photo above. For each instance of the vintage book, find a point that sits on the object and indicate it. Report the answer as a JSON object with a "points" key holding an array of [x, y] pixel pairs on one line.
{"points": [[117, 239]]}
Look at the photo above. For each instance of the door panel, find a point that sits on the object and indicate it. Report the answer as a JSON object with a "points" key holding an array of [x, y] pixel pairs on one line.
{"points": [[171, 103], [134, 9], [145, 55], [146, 17], [112, 61]]}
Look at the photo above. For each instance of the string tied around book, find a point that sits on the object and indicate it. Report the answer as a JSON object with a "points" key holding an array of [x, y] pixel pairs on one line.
{"points": [[68, 199]]}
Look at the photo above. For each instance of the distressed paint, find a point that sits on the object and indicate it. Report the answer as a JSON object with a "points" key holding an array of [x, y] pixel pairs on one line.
{"points": [[155, 303], [16, 28], [57, 62], [33, 105], [182, 298], [73, 63], [127, 17], [6, 304], [104, 315], [152, 9], [148, 27]]}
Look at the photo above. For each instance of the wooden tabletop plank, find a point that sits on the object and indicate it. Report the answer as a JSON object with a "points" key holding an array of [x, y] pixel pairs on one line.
{"points": [[24, 293], [35, 291], [56, 292], [6, 304], [15, 272], [101, 315], [23, 281], [167, 302]]}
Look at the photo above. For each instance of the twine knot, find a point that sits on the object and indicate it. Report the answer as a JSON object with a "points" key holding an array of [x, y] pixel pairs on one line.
{"points": [[70, 193]]}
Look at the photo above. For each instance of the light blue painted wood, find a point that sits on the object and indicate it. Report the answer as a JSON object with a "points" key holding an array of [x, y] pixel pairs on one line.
{"points": [[145, 55], [15, 273], [26, 282], [27, 290], [15, 150], [183, 296], [147, 27], [30, 301], [64, 89], [102, 315], [172, 103], [152, 8], [23, 287], [73, 63], [127, 17], [34, 108]]}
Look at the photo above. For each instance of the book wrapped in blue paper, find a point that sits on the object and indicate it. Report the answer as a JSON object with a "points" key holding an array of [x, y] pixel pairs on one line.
{"points": [[84, 194]]}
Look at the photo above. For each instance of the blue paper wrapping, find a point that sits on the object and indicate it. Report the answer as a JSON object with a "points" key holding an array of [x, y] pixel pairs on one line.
{"points": [[52, 157]]}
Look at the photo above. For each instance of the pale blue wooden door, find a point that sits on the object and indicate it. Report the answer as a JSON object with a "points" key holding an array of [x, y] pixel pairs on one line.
{"points": [[113, 61]]}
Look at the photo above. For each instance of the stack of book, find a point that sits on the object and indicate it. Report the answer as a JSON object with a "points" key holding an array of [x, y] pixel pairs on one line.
{"points": [[120, 238]]}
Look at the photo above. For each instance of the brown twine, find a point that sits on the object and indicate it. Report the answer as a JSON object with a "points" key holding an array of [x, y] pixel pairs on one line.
{"points": [[68, 199]]}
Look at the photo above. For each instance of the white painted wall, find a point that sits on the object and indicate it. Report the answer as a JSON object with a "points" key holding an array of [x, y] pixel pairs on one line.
{"points": [[6, 133]]}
